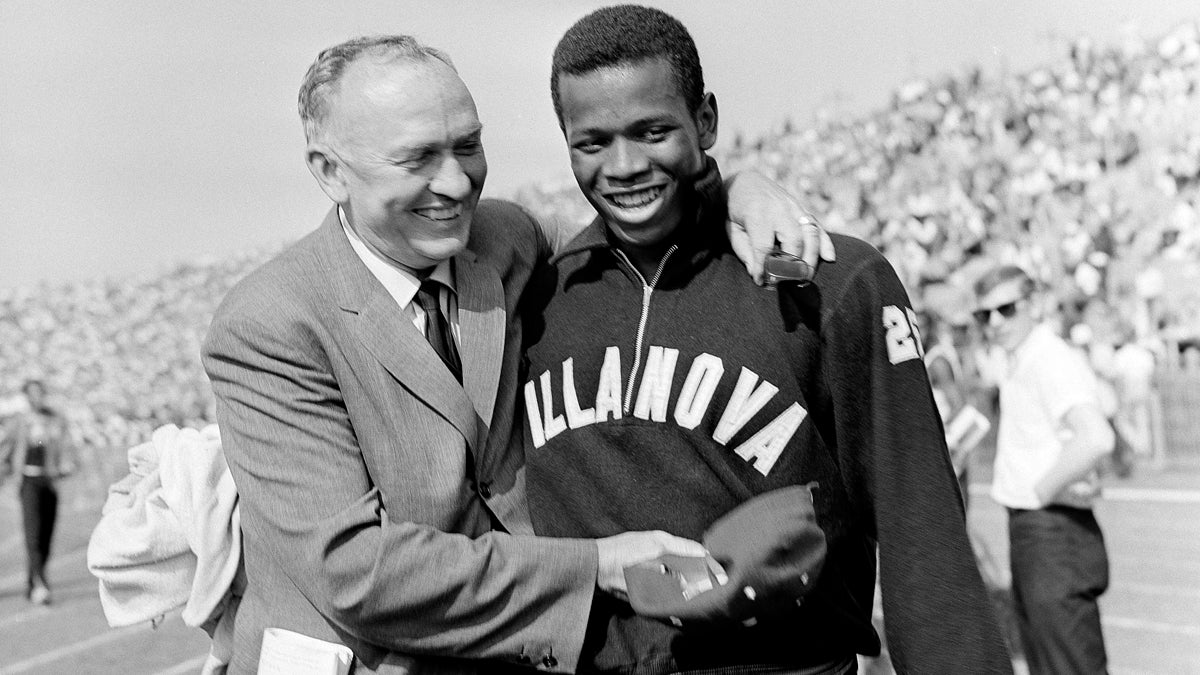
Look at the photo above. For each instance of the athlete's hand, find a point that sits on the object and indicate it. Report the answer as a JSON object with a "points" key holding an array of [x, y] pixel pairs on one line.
{"points": [[631, 548], [761, 214]]}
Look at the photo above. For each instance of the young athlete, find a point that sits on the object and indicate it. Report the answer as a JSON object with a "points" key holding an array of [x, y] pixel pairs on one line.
{"points": [[663, 390]]}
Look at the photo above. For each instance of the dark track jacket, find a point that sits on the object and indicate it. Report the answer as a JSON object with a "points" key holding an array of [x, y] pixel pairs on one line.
{"points": [[664, 403]]}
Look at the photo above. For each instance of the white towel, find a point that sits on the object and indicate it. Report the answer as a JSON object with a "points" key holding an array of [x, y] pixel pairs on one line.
{"points": [[170, 532], [198, 488]]}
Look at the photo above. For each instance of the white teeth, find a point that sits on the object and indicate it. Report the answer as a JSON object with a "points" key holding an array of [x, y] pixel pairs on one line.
{"points": [[632, 200], [446, 213]]}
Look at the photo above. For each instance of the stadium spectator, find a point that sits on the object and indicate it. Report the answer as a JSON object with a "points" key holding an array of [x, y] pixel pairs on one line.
{"points": [[1051, 439]]}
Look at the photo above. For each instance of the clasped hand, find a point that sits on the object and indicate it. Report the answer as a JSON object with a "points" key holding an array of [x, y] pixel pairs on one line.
{"points": [[633, 548]]}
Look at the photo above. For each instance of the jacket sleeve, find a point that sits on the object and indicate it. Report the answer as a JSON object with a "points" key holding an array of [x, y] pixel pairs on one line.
{"points": [[308, 502], [938, 617]]}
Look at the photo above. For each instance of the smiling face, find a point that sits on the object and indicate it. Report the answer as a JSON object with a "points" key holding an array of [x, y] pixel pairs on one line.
{"points": [[403, 157], [635, 147]]}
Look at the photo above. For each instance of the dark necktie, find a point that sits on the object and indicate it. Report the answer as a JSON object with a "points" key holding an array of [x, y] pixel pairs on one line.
{"points": [[437, 328]]}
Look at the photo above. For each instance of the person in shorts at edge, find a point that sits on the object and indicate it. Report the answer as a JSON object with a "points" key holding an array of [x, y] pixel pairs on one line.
{"points": [[663, 389], [1051, 439]]}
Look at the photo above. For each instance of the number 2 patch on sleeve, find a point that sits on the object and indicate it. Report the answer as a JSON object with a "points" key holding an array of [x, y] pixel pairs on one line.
{"points": [[901, 334]]}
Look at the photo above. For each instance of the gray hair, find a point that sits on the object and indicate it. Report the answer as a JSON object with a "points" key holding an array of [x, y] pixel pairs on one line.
{"points": [[323, 75]]}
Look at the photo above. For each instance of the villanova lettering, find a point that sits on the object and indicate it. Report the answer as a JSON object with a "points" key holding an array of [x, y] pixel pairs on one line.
{"points": [[653, 403]]}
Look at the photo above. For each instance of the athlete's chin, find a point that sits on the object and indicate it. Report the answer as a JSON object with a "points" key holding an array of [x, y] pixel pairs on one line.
{"points": [[647, 231], [642, 236], [443, 248]]}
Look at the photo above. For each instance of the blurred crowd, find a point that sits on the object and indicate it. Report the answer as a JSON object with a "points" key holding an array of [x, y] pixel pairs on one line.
{"points": [[121, 358], [1085, 171]]}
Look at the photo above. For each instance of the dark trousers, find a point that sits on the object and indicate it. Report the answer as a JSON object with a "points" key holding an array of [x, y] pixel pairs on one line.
{"points": [[39, 509], [1059, 569]]}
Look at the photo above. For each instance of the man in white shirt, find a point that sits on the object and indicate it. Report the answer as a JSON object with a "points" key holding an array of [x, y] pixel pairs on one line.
{"points": [[1051, 438]]}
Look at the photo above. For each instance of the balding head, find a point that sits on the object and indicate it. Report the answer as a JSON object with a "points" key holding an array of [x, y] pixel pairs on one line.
{"points": [[324, 76]]}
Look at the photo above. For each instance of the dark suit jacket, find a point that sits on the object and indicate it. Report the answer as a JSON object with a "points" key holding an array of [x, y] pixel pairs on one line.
{"points": [[352, 449]]}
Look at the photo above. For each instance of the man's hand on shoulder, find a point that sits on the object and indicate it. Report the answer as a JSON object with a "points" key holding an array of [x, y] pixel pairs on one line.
{"points": [[761, 214], [631, 548]]}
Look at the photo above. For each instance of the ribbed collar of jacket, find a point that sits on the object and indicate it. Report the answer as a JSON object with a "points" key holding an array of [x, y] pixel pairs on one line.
{"points": [[706, 236]]}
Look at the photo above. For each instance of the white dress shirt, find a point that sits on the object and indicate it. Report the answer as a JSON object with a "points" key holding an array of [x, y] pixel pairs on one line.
{"points": [[1046, 378], [402, 284]]}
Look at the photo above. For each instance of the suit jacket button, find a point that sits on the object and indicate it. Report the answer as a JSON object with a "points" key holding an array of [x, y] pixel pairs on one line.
{"points": [[485, 490], [549, 661]]}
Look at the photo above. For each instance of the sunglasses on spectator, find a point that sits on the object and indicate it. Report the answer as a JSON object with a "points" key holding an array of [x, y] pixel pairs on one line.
{"points": [[1007, 310]]}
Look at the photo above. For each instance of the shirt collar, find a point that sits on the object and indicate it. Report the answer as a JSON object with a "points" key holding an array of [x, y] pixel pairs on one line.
{"points": [[1037, 336], [399, 282]]}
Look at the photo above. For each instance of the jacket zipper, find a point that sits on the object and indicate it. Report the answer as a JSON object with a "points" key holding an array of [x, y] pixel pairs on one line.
{"points": [[647, 291]]}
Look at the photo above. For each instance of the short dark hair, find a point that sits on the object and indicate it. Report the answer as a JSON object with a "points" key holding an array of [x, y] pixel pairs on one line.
{"points": [[1004, 274], [624, 34]]}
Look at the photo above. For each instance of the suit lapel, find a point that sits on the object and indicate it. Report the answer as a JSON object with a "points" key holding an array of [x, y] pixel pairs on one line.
{"points": [[481, 321], [373, 316]]}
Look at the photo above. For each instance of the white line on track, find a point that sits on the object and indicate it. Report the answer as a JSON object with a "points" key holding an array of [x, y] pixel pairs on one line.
{"points": [[1184, 564], [1160, 589], [67, 650], [1159, 495], [31, 612], [1124, 494], [1128, 623], [189, 666]]}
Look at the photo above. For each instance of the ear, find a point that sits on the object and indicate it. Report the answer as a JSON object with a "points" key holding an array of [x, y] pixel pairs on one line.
{"points": [[706, 121], [327, 168]]}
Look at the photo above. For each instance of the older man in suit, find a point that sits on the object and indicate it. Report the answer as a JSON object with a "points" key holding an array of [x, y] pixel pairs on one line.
{"points": [[365, 383]]}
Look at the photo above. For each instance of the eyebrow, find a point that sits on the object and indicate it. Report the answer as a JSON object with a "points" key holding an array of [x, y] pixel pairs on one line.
{"points": [[640, 123], [476, 133]]}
